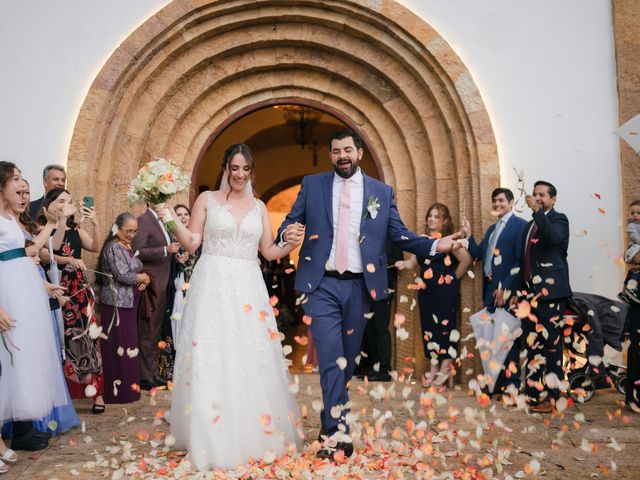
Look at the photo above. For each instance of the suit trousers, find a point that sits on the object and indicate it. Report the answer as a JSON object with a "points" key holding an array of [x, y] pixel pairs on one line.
{"points": [[337, 308], [149, 330], [544, 355]]}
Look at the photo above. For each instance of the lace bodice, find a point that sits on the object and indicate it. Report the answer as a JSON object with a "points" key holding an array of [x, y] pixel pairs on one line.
{"points": [[226, 237]]}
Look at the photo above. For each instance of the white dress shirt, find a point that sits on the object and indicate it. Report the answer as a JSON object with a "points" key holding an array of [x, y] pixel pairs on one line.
{"points": [[164, 230], [493, 241], [356, 195]]}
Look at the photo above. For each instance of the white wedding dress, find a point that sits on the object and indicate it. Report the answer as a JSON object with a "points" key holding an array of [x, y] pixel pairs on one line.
{"points": [[231, 399]]}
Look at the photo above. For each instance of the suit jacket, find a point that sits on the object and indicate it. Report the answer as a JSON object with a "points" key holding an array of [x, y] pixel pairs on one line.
{"points": [[34, 207], [548, 256], [510, 246], [314, 208], [151, 244]]}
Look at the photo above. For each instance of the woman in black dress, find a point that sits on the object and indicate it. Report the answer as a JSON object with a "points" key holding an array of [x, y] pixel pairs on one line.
{"points": [[438, 297], [83, 363]]}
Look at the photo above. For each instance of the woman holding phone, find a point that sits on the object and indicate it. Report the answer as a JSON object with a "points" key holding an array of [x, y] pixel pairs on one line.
{"points": [[83, 364]]}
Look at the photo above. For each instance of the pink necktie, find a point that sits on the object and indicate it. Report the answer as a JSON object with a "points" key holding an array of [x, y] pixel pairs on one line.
{"points": [[342, 242]]}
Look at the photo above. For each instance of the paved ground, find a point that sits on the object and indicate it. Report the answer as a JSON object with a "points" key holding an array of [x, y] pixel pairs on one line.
{"points": [[460, 437]]}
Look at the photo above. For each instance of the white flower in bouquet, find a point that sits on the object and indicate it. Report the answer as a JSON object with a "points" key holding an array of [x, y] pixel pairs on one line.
{"points": [[158, 181]]}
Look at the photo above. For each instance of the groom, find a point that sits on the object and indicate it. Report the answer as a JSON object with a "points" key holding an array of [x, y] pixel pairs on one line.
{"points": [[343, 266]]}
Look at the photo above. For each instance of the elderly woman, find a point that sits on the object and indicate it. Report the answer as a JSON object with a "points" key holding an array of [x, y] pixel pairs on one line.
{"points": [[119, 300], [439, 297]]}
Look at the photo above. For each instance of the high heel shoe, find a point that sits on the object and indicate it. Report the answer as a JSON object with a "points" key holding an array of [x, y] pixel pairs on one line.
{"points": [[429, 377], [445, 375]]}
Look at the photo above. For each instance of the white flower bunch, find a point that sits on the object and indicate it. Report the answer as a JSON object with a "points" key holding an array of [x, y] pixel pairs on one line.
{"points": [[157, 181]]}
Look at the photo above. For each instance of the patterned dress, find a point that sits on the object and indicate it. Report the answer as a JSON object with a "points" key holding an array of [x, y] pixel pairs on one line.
{"points": [[83, 365]]}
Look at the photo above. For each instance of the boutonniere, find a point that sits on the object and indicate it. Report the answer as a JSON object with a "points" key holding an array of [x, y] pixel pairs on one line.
{"points": [[372, 207]]}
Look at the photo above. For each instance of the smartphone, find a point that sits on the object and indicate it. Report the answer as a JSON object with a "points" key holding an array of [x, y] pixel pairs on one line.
{"points": [[87, 202]]}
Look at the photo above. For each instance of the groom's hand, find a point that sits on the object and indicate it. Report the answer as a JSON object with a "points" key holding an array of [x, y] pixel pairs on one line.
{"points": [[449, 243], [294, 233]]}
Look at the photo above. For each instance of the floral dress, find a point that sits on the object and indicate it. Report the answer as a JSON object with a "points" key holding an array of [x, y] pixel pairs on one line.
{"points": [[83, 363]]}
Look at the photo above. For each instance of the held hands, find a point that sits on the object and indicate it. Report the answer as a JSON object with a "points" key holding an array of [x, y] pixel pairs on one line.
{"points": [[143, 280], [498, 298], [402, 265], [90, 214], [532, 203], [76, 263], [294, 233], [450, 243], [6, 322], [165, 212], [55, 291], [173, 247], [51, 214]]}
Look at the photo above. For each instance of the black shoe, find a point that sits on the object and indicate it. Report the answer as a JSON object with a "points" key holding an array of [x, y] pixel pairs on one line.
{"points": [[42, 435], [29, 443], [329, 453], [159, 381], [98, 409], [379, 377], [147, 384]]}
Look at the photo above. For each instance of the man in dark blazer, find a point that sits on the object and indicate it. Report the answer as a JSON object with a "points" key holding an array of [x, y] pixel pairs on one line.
{"points": [[544, 286], [343, 266], [155, 249], [53, 176], [500, 252]]}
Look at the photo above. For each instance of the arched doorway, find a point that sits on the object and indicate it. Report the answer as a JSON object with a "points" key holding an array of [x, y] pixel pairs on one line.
{"points": [[183, 73], [288, 140]]}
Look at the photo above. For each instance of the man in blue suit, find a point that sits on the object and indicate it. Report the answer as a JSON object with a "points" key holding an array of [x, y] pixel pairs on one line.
{"points": [[543, 285], [500, 252], [348, 217]]}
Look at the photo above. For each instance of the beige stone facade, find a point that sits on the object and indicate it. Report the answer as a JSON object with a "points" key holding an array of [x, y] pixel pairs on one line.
{"points": [[198, 65], [626, 23]]}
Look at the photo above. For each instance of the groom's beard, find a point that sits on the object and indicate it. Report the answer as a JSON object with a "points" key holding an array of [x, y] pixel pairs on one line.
{"points": [[347, 173]]}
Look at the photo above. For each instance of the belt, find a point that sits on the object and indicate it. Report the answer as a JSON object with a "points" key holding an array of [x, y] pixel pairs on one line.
{"points": [[13, 254], [346, 275]]}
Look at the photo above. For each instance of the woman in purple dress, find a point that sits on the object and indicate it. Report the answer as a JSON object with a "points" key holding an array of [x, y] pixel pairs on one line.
{"points": [[119, 299]]}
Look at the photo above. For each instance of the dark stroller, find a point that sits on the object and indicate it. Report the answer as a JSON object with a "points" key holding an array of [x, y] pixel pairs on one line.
{"points": [[595, 327]]}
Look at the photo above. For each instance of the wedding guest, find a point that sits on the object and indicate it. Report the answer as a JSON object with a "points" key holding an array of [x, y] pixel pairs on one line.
{"points": [[53, 176], [500, 251], [31, 383], [182, 264], [155, 251], [544, 275], [119, 310], [439, 297], [63, 417], [83, 364], [376, 344]]}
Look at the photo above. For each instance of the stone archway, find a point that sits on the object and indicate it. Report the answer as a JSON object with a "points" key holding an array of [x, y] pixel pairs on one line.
{"points": [[183, 72]]}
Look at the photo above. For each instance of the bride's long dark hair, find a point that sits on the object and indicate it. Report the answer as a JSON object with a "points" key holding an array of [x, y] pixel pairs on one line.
{"points": [[245, 151]]}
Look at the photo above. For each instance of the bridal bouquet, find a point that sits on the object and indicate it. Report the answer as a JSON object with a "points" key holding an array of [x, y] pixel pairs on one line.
{"points": [[158, 181]]}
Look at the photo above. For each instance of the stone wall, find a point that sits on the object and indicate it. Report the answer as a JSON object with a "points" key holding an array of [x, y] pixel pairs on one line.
{"points": [[197, 64]]}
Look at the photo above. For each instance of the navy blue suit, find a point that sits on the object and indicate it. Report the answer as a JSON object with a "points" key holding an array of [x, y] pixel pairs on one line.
{"points": [[337, 307], [504, 276], [549, 278], [510, 246]]}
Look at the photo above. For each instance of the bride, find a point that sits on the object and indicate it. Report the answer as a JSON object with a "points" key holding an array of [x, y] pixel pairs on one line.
{"points": [[231, 400]]}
